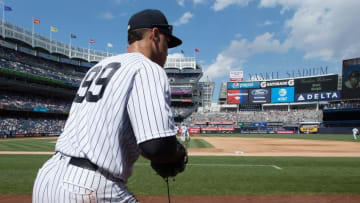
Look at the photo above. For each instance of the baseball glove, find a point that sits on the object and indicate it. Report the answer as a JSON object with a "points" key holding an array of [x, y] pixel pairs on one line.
{"points": [[166, 170]]}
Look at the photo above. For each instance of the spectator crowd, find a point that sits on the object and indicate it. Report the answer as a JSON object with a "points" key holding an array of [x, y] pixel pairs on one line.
{"points": [[20, 62], [293, 116], [12, 126], [32, 103]]}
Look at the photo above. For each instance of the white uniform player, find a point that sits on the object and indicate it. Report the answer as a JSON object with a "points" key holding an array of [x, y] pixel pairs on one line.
{"points": [[123, 101], [355, 133], [184, 133]]}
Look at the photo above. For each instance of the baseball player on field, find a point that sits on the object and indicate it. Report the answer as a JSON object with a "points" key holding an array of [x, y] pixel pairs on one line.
{"points": [[184, 133], [121, 110], [355, 133]]}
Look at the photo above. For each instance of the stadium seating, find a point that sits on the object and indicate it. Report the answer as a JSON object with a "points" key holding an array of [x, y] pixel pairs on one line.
{"points": [[293, 116], [33, 103], [31, 126], [20, 62]]}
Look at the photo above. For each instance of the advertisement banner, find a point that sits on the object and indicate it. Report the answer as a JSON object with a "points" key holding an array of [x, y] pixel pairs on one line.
{"points": [[238, 96], [221, 122], [209, 129], [194, 130], [241, 124], [351, 79], [236, 75], [277, 83], [233, 96], [328, 83], [243, 85], [200, 122], [186, 100], [320, 96], [259, 96], [259, 124], [282, 94], [226, 129], [284, 132]]}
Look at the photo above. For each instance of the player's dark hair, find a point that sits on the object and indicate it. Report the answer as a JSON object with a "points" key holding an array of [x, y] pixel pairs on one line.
{"points": [[136, 35]]}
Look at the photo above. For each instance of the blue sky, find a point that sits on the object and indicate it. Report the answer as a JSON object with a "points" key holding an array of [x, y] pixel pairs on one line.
{"points": [[255, 36]]}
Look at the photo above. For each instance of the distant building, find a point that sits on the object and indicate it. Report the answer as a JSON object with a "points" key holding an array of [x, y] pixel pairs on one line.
{"points": [[207, 91], [184, 75]]}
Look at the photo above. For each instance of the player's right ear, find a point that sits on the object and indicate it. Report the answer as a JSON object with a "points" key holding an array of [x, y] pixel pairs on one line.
{"points": [[155, 33]]}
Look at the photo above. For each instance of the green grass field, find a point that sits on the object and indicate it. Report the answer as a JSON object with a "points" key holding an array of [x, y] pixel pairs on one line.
{"points": [[206, 175]]}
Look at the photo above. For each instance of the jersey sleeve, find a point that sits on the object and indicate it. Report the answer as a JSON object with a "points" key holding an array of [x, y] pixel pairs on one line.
{"points": [[149, 104]]}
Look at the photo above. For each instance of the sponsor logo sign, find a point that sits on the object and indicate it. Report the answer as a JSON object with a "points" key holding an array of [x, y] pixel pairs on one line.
{"points": [[209, 129], [259, 124], [320, 96], [243, 85], [282, 94], [236, 75], [194, 130], [277, 83], [238, 96], [259, 96], [221, 122], [226, 129], [284, 132]]}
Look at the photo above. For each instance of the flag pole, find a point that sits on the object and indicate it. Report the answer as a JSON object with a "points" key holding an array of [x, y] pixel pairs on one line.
{"points": [[89, 51], [32, 36], [3, 19], [50, 40], [70, 46]]}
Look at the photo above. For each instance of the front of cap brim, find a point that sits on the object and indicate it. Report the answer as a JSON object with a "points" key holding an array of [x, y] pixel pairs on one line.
{"points": [[174, 42]]}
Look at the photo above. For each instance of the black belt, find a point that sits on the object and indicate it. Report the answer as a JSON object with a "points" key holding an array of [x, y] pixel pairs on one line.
{"points": [[83, 163]]}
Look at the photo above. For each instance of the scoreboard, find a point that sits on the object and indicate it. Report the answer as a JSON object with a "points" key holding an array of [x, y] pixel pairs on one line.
{"points": [[284, 91], [316, 84]]}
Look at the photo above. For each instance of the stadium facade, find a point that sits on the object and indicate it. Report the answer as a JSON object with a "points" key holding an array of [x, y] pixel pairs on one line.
{"points": [[186, 93], [39, 78]]}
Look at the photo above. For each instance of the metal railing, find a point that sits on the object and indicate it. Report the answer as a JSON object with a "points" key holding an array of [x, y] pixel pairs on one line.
{"points": [[9, 30]]}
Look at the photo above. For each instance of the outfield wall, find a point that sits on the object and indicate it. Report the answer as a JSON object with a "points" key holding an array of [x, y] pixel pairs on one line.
{"points": [[336, 130]]}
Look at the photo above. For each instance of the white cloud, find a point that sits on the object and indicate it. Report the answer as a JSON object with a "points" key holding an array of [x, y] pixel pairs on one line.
{"points": [[267, 22], [176, 55], [199, 1], [220, 67], [221, 4], [181, 2], [329, 31], [238, 51], [107, 15], [184, 18]]}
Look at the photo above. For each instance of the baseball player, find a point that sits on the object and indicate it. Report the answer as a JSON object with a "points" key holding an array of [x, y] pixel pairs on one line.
{"points": [[355, 132], [121, 110], [184, 133]]}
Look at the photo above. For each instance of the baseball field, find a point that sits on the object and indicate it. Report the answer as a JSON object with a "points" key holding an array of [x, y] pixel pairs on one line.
{"points": [[232, 168]]}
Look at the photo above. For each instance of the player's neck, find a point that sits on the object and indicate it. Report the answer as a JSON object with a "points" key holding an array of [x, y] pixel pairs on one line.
{"points": [[139, 47]]}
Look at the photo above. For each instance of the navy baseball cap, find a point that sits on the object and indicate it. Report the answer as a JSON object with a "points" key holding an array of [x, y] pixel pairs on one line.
{"points": [[150, 18]]}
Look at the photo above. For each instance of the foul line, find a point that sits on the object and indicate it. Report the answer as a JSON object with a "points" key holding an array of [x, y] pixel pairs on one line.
{"points": [[238, 165], [229, 165]]}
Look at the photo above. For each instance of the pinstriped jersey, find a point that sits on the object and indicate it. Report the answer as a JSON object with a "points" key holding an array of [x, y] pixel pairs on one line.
{"points": [[122, 101]]}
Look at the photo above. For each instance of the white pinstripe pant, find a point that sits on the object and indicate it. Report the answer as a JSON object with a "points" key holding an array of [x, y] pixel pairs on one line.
{"points": [[60, 182]]}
